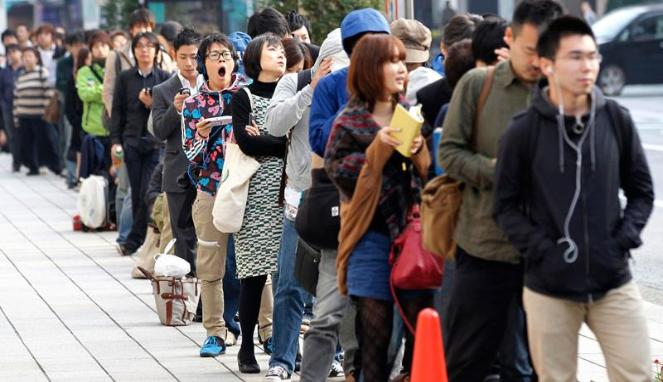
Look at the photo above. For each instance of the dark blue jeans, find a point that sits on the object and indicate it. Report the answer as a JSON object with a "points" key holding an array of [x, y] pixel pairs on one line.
{"points": [[289, 302], [231, 288], [140, 162]]}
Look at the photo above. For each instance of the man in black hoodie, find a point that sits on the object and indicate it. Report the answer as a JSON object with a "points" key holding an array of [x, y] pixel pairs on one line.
{"points": [[560, 167]]}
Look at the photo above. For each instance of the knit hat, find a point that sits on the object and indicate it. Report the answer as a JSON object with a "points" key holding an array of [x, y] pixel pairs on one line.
{"points": [[415, 36]]}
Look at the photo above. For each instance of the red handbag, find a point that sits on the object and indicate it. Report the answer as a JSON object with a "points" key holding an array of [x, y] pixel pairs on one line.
{"points": [[412, 266]]}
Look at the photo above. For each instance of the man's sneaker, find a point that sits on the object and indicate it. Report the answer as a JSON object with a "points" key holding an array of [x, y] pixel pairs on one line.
{"points": [[268, 346], [212, 347], [277, 373], [336, 370]]}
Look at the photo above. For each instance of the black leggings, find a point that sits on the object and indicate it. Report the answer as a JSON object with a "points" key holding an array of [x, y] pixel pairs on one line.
{"points": [[375, 319], [249, 305]]}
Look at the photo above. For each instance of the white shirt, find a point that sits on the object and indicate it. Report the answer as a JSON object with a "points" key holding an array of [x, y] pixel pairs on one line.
{"points": [[49, 63], [185, 83], [417, 79]]}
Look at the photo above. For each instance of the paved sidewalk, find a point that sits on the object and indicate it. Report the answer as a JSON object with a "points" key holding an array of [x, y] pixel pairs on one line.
{"points": [[70, 311]]}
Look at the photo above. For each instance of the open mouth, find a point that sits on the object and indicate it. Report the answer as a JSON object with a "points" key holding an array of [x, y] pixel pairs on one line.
{"points": [[222, 71]]}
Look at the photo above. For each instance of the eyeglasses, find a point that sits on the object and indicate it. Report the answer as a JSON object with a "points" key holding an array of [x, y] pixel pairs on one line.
{"points": [[148, 46], [579, 58], [216, 56]]}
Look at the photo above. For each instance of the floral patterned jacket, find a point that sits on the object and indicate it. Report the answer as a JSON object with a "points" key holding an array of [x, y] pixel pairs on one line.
{"points": [[206, 154]]}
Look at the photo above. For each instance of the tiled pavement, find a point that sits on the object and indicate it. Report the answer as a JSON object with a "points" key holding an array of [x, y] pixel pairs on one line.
{"points": [[70, 311]]}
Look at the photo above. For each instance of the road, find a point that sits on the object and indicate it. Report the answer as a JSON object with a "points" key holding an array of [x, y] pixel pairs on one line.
{"points": [[646, 106]]}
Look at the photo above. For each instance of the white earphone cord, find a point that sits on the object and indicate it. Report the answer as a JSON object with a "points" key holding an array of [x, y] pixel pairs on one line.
{"points": [[571, 254]]}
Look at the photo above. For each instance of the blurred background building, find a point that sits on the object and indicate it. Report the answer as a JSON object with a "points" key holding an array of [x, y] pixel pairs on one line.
{"points": [[231, 15]]}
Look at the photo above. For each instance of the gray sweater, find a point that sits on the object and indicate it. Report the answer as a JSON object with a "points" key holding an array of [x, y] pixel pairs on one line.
{"points": [[289, 110]]}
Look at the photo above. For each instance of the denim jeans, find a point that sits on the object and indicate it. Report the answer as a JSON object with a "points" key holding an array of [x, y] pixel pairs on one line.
{"points": [[289, 302], [126, 219], [231, 290]]}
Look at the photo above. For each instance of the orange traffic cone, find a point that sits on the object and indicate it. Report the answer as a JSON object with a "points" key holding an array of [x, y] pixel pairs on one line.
{"points": [[428, 362]]}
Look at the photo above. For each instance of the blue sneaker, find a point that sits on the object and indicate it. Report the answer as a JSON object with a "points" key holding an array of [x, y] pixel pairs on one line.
{"points": [[268, 346], [212, 347]]}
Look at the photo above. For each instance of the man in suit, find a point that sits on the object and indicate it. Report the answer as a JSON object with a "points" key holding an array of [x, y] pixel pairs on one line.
{"points": [[166, 114]]}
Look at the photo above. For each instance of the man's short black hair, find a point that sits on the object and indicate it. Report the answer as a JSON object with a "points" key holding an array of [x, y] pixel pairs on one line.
{"points": [[141, 16], [536, 12], [8, 33], [151, 37], [187, 36], [77, 37], [170, 30], [267, 20], [459, 61], [488, 36], [564, 26], [11, 48], [459, 28], [296, 21], [253, 53]]}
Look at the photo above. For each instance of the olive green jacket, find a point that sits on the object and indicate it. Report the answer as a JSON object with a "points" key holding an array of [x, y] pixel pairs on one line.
{"points": [[476, 231]]}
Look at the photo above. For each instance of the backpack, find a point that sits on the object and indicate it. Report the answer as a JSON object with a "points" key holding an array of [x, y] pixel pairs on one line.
{"points": [[93, 201], [442, 196]]}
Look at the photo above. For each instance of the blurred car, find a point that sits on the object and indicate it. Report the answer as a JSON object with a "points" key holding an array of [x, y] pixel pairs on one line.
{"points": [[631, 42]]}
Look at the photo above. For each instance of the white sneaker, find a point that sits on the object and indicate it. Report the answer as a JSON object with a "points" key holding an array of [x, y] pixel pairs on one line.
{"points": [[277, 374], [230, 339], [336, 370]]}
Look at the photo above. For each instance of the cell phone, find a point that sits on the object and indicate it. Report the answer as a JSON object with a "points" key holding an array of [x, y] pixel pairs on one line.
{"points": [[148, 90], [252, 119], [186, 91], [220, 121]]}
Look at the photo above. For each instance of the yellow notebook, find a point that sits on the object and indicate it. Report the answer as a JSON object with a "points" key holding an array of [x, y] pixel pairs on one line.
{"points": [[409, 123]]}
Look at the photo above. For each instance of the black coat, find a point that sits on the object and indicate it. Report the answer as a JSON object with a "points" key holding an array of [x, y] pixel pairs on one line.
{"points": [[535, 186], [129, 116]]}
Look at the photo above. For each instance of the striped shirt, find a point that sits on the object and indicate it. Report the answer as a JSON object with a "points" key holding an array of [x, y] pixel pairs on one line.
{"points": [[32, 93]]}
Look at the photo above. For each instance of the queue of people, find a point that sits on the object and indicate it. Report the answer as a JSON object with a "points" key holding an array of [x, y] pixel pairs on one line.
{"points": [[542, 156]]}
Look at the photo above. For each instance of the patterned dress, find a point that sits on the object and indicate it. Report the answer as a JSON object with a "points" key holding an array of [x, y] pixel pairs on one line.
{"points": [[257, 243]]}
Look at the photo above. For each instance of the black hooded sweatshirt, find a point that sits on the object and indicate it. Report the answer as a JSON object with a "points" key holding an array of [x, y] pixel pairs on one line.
{"points": [[536, 186]]}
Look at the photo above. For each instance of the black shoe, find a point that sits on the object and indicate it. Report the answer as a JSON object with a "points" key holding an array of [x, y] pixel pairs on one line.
{"points": [[298, 362], [123, 250], [33, 173], [16, 167], [249, 366]]}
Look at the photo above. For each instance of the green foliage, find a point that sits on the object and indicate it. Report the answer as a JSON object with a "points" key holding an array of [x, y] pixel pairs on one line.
{"points": [[283, 6], [115, 13], [324, 15]]}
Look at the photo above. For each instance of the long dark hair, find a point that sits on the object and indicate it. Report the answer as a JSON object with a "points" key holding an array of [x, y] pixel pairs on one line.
{"points": [[82, 56]]}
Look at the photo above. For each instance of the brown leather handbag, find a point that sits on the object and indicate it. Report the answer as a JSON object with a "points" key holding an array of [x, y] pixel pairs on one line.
{"points": [[442, 196], [52, 111], [440, 203]]}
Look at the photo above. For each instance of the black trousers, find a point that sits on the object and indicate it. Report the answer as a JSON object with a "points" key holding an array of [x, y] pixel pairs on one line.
{"points": [[38, 144], [478, 313], [140, 162], [179, 205]]}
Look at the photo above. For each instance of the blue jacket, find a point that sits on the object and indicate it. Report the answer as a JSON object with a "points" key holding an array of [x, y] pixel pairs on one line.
{"points": [[8, 78], [331, 93], [329, 98]]}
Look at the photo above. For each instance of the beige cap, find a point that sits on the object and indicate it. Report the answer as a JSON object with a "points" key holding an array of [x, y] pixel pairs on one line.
{"points": [[415, 36]]}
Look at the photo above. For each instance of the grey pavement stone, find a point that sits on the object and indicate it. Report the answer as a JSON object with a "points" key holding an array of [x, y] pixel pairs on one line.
{"points": [[74, 293]]}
